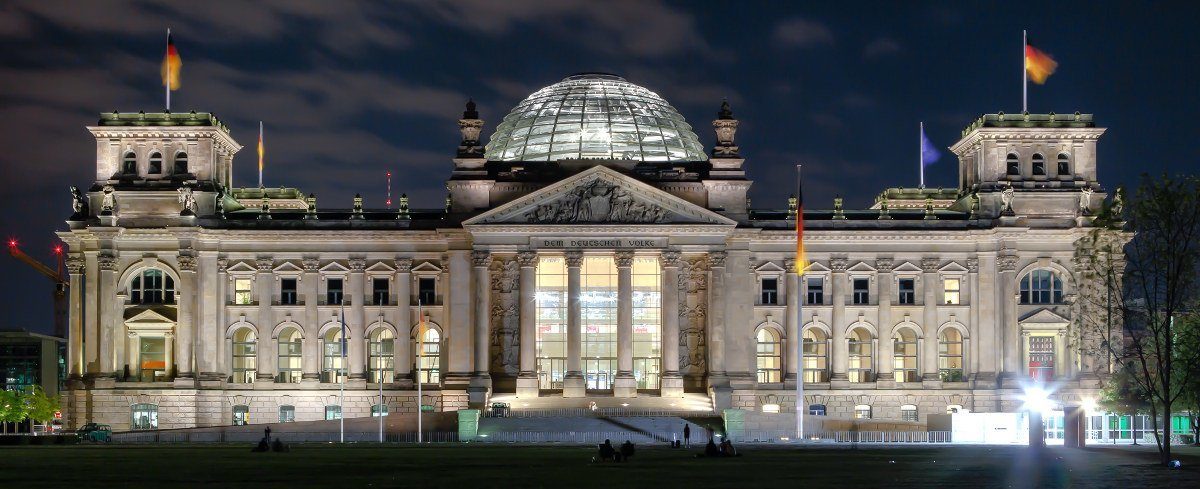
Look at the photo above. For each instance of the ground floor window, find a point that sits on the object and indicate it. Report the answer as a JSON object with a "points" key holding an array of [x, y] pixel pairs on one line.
{"points": [[816, 362], [816, 409], [145, 417], [241, 413], [861, 360], [333, 412], [333, 369], [1041, 358], [381, 355], [379, 410], [769, 356], [862, 411], [908, 412], [287, 414]]}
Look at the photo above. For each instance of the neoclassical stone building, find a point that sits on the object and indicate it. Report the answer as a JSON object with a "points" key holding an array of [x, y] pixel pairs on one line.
{"points": [[593, 249]]}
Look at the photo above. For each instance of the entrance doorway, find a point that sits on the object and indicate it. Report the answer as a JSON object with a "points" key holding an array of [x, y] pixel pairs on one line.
{"points": [[551, 372], [598, 373], [647, 372]]}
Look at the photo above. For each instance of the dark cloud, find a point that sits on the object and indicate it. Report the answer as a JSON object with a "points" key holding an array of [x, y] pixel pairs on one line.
{"points": [[802, 33], [881, 47]]}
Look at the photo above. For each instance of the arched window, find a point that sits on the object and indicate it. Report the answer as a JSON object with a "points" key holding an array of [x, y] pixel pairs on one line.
{"points": [[769, 360], [816, 356], [862, 411], [145, 417], [152, 286], [245, 356], [950, 355], [129, 164], [291, 355], [861, 357], [181, 164], [904, 348], [1041, 286], [429, 360], [1064, 164], [287, 413], [908, 412], [241, 415], [1039, 164], [1013, 165], [381, 356], [332, 366], [156, 161]]}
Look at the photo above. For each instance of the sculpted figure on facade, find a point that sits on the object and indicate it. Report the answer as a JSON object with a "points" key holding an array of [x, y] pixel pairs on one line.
{"points": [[187, 201], [597, 201], [78, 202], [108, 201]]}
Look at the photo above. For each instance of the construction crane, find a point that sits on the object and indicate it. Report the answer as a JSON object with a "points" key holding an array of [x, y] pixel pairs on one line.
{"points": [[56, 276]]}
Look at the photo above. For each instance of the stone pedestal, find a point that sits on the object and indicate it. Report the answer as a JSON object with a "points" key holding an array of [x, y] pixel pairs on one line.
{"points": [[573, 386], [527, 386], [184, 383], [672, 386], [624, 386]]}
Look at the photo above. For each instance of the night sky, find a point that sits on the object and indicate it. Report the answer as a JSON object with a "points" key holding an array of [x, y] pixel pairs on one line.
{"points": [[349, 91]]}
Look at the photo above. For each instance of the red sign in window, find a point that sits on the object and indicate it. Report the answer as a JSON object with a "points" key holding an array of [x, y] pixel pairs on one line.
{"points": [[1041, 358]]}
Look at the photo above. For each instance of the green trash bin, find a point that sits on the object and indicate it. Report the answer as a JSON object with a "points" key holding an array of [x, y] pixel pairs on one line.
{"points": [[468, 424]]}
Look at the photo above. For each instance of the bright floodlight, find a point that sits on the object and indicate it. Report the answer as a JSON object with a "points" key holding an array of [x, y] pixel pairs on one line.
{"points": [[1037, 399], [1089, 405]]}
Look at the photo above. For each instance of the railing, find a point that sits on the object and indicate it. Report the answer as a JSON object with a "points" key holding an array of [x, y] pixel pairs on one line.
{"points": [[605, 411], [776, 436], [533, 437]]}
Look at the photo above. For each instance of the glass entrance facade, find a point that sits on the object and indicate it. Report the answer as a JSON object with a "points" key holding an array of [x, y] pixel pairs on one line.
{"points": [[647, 321], [598, 320], [551, 321]]}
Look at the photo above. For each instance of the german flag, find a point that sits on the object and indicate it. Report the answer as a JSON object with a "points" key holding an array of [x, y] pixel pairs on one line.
{"points": [[801, 257], [1038, 65], [171, 65]]}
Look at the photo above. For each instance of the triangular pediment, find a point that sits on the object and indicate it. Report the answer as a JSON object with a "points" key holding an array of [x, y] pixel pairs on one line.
{"points": [[953, 267], [288, 267], [380, 267], [861, 266], [599, 195], [907, 267], [770, 267], [242, 267], [428, 267], [814, 267], [334, 268], [149, 316], [1044, 316]]}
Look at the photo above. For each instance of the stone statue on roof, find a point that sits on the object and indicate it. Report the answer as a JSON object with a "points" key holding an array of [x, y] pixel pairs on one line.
{"points": [[188, 200], [78, 202]]}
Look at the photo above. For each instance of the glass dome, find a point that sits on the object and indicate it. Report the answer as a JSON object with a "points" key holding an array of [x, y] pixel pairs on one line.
{"points": [[594, 116]]}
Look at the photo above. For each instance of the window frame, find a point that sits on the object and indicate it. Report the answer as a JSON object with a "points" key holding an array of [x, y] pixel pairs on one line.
{"points": [[820, 291], [148, 419], [946, 372], [289, 374], [911, 291], [333, 298], [294, 298], [865, 298], [819, 353], [287, 413], [1048, 296], [180, 157], [164, 289], [238, 298], [1012, 162], [1037, 165], [154, 158], [244, 371], [241, 415], [129, 163], [763, 291], [771, 354], [900, 371], [861, 374], [862, 411], [956, 291], [386, 298], [909, 412]]}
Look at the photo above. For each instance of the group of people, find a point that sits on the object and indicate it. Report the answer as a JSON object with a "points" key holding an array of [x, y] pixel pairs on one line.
{"points": [[610, 453], [712, 448]]}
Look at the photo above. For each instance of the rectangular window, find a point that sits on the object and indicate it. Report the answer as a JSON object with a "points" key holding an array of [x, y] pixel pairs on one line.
{"points": [[1064, 168], [951, 294], [427, 290], [770, 291], [647, 321], [598, 320], [333, 291], [333, 412], [145, 417], [862, 412], [908, 413], [1041, 358], [551, 318], [908, 291], [241, 414], [862, 291], [380, 291], [287, 292], [816, 290], [287, 414], [242, 293]]}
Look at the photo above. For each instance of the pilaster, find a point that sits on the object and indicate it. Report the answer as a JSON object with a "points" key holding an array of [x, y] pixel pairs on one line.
{"points": [[357, 326], [310, 347], [403, 343], [481, 380], [527, 381], [841, 350], [929, 346], [187, 293], [624, 384]]}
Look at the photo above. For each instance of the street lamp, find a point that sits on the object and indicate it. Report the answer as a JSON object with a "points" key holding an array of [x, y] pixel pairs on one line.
{"points": [[1036, 402]]}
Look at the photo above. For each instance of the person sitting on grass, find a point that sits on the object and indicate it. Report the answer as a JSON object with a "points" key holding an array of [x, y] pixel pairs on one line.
{"points": [[607, 453], [710, 450], [727, 449], [626, 450]]}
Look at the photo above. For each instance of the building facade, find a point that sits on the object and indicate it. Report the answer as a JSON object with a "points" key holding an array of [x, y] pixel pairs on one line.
{"points": [[592, 249], [31, 359]]}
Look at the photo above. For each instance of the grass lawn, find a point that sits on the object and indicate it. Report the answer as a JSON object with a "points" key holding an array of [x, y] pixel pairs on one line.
{"points": [[475, 466]]}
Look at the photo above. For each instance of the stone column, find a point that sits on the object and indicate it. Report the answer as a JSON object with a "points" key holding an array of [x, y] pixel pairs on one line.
{"points": [[131, 353], [91, 316], [265, 283], [930, 285], [886, 376], [624, 385], [716, 320], [187, 292], [110, 315], [224, 356], [527, 381], [672, 381], [987, 332], [357, 328], [841, 350], [481, 380], [971, 364], [310, 346], [75, 266], [169, 351], [403, 360], [208, 332], [794, 338], [573, 382], [1006, 264]]}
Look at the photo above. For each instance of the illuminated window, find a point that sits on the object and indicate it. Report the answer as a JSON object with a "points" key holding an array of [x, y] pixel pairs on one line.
{"points": [[1041, 286], [1041, 358], [1064, 164], [429, 360], [816, 409], [291, 351], [242, 291], [647, 321], [908, 291], [862, 291], [908, 412], [245, 356], [551, 320], [770, 408], [816, 359], [152, 359], [378, 410], [181, 163], [129, 164], [1013, 164], [287, 413], [861, 357], [156, 163], [951, 294], [598, 320], [152, 286], [862, 411], [381, 355], [241, 415], [769, 291], [950, 355], [769, 357], [904, 356], [333, 367], [333, 412], [145, 417], [816, 290]]}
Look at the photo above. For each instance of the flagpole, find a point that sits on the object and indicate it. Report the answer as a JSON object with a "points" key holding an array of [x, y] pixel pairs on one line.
{"points": [[342, 377], [799, 341], [168, 83], [260, 154], [379, 365], [1024, 73], [921, 153], [420, 350]]}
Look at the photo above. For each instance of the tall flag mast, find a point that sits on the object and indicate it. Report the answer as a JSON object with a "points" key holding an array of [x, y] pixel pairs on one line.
{"points": [[261, 152], [801, 264], [1037, 67], [341, 372], [170, 68], [419, 354], [389, 189]]}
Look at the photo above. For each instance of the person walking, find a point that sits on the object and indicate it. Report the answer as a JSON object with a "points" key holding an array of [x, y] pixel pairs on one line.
{"points": [[687, 435]]}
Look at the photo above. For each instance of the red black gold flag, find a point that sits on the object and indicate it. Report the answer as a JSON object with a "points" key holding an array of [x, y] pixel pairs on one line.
{"points": [[171, 65], [1038, 65]]}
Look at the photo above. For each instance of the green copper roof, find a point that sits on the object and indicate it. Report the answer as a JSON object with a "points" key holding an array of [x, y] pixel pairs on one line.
{"points": [[164, 119], [1050, 120]]}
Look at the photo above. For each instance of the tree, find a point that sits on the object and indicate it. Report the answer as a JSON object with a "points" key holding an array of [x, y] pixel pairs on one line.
{"points": [[40, 407], [12, 408], [1138, 297]]}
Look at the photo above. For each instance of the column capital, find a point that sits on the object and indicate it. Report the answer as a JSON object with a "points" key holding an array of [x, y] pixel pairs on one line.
{"points": [[973, 265], [930, 264], [222, 265], [75, 264], [131, 334], [263, 263], [357, 264], [885, 264], [107, 260], [671, 258], [624, 258], [481, 259], [789, 264], [527, 259], [838, 264], [716, 259], [311, 263], [574, 258], [187, 263], [403, 264], [1007, 262]]}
